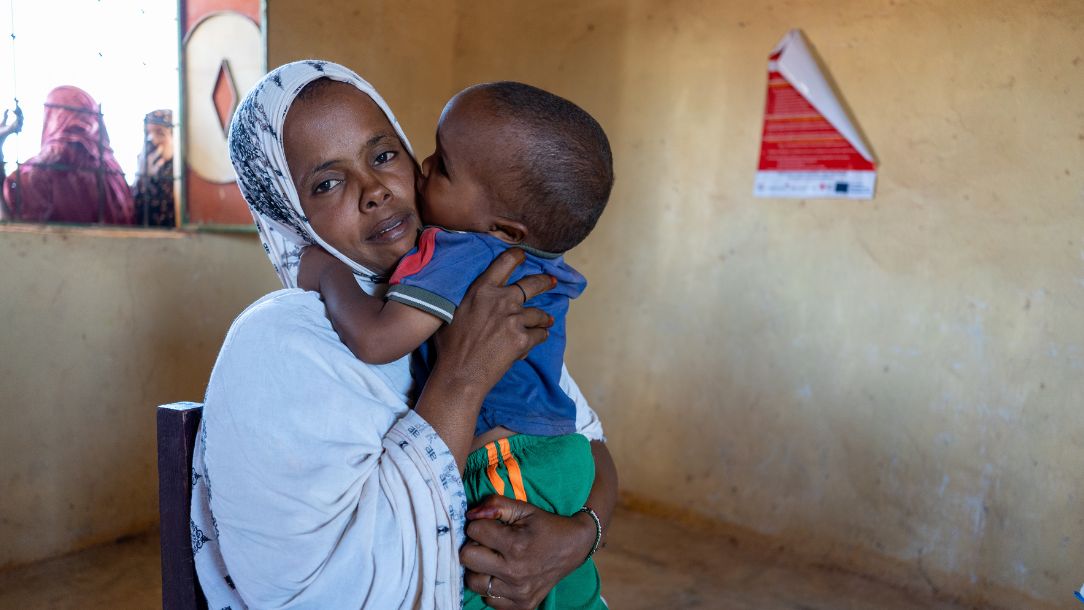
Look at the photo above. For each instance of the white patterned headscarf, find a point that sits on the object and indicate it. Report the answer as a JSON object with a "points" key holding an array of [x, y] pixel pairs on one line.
{"points": [[259, 159]]}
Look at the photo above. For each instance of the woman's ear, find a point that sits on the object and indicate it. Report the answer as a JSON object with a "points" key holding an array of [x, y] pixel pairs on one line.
{"points": [[508, 231]]}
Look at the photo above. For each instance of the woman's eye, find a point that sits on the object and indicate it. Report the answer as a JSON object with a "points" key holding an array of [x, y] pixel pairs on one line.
{"points": [[384, 157], [326, 185]]}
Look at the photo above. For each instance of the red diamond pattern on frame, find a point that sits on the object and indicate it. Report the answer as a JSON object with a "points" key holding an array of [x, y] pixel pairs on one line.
{"points": [[224, 55], [225, 96]]}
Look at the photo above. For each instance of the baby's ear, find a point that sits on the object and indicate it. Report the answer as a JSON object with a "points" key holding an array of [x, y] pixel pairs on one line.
{"points": [[508, 231]]}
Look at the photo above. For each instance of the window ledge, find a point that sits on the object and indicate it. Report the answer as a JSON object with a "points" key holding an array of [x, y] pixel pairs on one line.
{"points": [[96, 230]]}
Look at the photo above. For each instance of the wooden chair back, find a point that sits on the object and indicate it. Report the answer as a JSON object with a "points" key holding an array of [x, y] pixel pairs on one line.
{"points": [[177, 427]]}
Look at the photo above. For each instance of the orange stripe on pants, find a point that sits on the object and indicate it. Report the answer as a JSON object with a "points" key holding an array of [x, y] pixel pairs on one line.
{"points": [[514, 473], [491, 470]]}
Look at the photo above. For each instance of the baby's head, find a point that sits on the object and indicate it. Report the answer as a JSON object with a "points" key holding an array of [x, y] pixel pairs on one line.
{"points": [[519, 163]]}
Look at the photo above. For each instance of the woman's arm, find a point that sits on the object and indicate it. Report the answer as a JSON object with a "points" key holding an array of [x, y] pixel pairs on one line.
{"points": [[491, 330], [528, 549], [603, 498], [532, 550]]}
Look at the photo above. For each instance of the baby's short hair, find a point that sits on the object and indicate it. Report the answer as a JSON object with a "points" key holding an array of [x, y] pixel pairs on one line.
{"points": [[562, 173]]}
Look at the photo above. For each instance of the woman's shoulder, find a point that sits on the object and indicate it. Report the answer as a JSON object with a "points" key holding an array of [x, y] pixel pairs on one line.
{"points": [[280, 322], [286, 335], [285, 303], [287, 307]]}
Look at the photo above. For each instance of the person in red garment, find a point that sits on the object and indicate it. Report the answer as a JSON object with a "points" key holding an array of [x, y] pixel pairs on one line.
{"points": [[75, 177]]}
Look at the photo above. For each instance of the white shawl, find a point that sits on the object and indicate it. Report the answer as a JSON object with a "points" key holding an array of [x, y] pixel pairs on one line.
{"points": [[314, 484]]}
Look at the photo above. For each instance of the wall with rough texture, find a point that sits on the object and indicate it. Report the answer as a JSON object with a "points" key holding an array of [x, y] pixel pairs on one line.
{"points": [[100, 326], [894, 383], [898, 379]]}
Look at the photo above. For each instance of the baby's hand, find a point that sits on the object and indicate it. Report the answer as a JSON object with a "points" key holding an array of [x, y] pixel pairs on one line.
{"points": [[314, 260]]}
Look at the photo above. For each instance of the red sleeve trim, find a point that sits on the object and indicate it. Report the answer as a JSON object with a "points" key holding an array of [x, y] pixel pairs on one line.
{"points": [[417, 261]]}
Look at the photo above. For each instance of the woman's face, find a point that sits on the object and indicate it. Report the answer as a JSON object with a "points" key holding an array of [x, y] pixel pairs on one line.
{"points": [[160, 138], [353, 175]]}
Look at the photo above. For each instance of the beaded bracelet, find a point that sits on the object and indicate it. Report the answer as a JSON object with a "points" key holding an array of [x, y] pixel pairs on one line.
{"points": [[598, 530]]}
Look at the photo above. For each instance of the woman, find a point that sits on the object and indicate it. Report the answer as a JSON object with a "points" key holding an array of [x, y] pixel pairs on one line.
{"points": [[315, 484], [75, 177], [152, 190]]}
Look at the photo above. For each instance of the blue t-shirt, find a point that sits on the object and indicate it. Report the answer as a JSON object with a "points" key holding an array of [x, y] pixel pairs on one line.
{"points": [[434, 277]]}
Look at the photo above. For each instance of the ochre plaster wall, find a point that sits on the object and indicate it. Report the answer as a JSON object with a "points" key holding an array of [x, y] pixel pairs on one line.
{"points": [[99, 327], [898, 379]]}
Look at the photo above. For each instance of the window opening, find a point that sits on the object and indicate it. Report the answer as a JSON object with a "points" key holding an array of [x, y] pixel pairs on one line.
{"points": [[97, 96]]}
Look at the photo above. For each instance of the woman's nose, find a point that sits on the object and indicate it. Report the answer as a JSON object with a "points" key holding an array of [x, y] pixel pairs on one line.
{"points": [[374, 196]]}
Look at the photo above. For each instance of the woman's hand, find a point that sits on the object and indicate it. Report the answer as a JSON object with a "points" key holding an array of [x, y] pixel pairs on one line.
{"points": [[490, 331], [16, 126], [156, 160], [523, 549]]}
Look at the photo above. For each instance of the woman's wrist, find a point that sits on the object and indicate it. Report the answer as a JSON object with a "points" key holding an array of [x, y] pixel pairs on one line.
{"points": [[586, 533], [455, 382], [597, 543], [451, 403]]}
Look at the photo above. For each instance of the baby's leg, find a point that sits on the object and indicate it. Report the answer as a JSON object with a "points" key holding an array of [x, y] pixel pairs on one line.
{"points": [[554, 473]]}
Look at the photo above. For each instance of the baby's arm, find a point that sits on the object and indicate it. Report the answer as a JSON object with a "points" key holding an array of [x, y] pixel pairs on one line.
{"points": [[376, 331]]}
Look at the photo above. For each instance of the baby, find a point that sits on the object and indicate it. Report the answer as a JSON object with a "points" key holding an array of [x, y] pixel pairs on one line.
{"points": [[514, 166]]}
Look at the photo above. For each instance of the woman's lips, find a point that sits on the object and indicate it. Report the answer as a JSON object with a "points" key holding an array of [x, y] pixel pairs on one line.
{"points": [[392, 229]]}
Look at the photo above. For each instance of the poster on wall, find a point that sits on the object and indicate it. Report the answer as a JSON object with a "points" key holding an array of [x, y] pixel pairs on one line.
{"points": [[810, 146], [223, 57]]}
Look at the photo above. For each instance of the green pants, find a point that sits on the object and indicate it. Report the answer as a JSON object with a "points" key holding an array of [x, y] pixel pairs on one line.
{"points": [[554, 473]]}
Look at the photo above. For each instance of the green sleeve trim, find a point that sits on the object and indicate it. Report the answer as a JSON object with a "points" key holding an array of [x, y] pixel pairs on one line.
{"points": [[420, 298]]}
